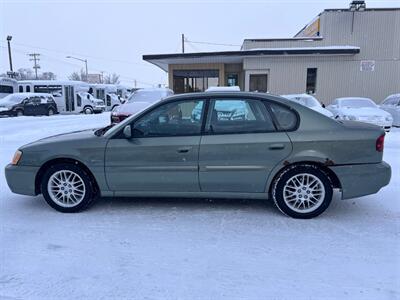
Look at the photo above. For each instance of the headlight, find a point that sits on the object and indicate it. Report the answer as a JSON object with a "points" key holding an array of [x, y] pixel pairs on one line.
{"points": [[389, 119], [17, 157]]}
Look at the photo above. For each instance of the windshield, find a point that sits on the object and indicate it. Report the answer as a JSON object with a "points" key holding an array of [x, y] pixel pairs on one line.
{"points": [[12, 98], [357, 103]]}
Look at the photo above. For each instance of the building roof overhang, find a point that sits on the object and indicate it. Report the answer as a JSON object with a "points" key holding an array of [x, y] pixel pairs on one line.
{"points": [[226, 57]]}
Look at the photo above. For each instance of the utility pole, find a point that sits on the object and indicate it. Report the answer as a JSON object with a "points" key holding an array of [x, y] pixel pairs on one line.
{"points": [[35, 60], [183, 43], [9, 37]]}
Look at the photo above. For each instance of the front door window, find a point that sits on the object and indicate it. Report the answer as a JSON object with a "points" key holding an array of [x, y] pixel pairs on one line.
{"points": [[172, 119]]}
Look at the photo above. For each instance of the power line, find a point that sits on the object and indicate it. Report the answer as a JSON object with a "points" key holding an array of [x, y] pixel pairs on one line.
{"points": [[81, 54]]}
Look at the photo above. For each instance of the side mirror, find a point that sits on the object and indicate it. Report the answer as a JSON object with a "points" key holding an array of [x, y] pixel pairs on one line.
{"points": [[128, 131]]}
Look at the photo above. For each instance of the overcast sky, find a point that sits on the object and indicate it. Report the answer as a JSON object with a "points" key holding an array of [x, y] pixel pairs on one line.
{"points": [[113, 35]]}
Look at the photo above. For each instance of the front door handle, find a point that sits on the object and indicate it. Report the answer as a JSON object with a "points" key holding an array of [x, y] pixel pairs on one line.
{"points": [[184, 149], [276, 146]]}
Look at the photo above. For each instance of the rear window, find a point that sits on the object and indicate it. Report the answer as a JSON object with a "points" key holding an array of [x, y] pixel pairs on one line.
{"points": [[287, 118]]}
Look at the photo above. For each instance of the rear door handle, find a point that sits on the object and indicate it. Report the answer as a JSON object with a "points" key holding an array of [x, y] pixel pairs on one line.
{"points": [[276, 146], [184, 149]]}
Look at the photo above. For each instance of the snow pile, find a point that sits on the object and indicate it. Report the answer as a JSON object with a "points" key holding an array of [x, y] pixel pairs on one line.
{"points": [[193, 249]]}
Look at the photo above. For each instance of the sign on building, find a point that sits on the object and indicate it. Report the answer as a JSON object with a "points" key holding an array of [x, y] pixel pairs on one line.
{"points": [[367, 65]]}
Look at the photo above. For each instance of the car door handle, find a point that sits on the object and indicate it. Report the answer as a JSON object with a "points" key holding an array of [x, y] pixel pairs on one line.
{"points": [[184, 149], [276, 146]]}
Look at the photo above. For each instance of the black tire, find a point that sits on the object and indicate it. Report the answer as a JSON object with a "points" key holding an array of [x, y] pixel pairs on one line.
{"points": [[19, 113], [88, 110], [50, 112], [277, 191], [90, 188]]}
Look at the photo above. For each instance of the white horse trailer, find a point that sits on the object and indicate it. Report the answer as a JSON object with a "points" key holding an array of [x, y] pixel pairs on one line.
{"points": [[107, 93], [7, 86], [70, 96]]}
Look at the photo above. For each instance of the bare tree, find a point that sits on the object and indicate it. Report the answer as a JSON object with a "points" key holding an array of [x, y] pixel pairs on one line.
{"points": [[48, 76], [111, 78], [79, 76]]}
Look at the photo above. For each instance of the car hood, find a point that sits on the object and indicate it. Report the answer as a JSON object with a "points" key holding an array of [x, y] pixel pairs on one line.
{"points": [[7, 104], [365, 111], [65, 137]]}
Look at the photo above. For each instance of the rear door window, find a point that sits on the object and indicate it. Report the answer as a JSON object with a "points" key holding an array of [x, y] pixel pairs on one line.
{"points": [[233, 116]]}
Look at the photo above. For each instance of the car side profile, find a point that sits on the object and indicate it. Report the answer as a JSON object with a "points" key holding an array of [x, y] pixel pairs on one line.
{"points": [[212, 144], [28, 104]]}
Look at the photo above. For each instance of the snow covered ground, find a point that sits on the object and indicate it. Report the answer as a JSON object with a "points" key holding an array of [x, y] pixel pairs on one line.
{"points": [[193, 249]]}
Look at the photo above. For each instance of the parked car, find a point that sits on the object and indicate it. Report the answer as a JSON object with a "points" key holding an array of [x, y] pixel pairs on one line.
{"points": [[275, 152], [310, 102], [361, 110], [139, 100], [28, 104], [392, 105]]}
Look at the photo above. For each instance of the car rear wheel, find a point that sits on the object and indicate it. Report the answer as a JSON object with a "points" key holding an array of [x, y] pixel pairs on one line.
{"points": [[19, 113], [302, 191], [88, 111], [67, 188]]}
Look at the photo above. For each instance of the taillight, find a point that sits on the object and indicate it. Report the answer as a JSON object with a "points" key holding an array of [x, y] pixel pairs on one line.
{"points": [[379, 143]]}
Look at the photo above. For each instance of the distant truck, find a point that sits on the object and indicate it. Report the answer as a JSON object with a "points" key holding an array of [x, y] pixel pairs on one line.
{"points": [[107, 93], [70, 96], [7, 86]]}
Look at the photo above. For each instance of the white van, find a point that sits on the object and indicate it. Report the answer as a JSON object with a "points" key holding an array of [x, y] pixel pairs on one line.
{"points": [[107, 93], [7, 86], [70, 96]]}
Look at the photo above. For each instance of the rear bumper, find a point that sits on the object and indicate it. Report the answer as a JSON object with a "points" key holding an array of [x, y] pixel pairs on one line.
{"points": [[363, 179], [21, 179]]}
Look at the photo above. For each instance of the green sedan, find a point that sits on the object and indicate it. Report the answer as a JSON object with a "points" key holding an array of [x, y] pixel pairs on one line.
{"points": [[214, 145]]}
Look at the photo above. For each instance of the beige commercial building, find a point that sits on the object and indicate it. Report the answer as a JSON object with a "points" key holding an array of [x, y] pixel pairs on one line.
{"points": [[342, 52]]}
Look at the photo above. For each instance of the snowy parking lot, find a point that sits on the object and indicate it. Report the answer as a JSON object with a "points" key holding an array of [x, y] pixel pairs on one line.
{"points": [[193, 249]]}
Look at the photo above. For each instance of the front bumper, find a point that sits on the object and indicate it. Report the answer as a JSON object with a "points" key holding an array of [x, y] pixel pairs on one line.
{"points": [[8, 112], [21, 179], [99, 108], [363, 179]]}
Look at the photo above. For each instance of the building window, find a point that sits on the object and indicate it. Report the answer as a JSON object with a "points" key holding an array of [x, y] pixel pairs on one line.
{"points": [[188, 81], [28, 89], [21, 89], [311, 83], [259, 83]]}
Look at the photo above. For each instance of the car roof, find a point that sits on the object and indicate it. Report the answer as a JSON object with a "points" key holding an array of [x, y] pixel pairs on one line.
{"points": [[233, 94]]}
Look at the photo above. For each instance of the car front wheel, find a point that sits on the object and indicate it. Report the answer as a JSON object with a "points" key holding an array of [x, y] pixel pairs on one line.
{"points": [[67, 188], [302, 191], [88, 111]]}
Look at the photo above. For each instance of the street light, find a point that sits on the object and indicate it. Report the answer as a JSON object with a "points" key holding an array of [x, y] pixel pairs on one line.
{"points": [[9, 38], [80, 59]]}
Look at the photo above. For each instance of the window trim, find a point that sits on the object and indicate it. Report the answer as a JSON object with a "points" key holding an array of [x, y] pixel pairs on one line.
{"points": [[207, 99]]}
